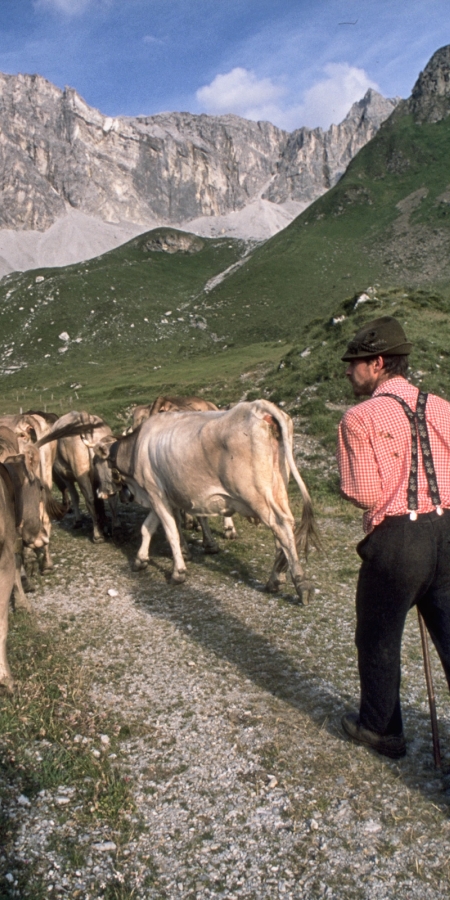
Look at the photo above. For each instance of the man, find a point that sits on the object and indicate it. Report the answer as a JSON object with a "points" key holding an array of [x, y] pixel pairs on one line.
{"points": [[382, 445]]}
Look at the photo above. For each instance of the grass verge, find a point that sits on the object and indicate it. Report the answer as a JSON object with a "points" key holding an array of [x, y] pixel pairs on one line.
{"points": [[54, 748]]}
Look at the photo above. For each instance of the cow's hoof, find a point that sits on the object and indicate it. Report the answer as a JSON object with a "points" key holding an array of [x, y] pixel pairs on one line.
{"points": [[230, 534], [98, 538], [272, 586], [27, 585], [211, 548], [305, 590], [7, 685], [21, 601], [140, 564], [178, 577]]}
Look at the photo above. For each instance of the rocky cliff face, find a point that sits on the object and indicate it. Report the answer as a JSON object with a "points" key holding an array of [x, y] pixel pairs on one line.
{"points": [[57, 154], [430, 98], [313, 160]]}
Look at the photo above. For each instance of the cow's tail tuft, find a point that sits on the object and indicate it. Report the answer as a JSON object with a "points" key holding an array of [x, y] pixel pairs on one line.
{"points": [[306, 532], [54, 508]]}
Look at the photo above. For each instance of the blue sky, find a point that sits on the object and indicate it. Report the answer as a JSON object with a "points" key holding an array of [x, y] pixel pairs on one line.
{"points": [[293, 62]]}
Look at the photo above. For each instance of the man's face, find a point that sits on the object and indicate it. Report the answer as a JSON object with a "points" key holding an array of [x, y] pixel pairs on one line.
{"points": [[364, 376]]}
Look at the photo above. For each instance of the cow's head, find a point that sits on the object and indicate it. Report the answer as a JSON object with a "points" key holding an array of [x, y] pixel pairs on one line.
{"points": [[32, 496], [107, 479], [28, 499]]}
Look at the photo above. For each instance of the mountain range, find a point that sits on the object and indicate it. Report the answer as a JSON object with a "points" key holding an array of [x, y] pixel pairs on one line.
{"points": [[75, 183], [170, 310]]}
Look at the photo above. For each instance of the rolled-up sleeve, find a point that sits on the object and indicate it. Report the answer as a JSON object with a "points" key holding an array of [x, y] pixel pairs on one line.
{"points": [[360, 480]]}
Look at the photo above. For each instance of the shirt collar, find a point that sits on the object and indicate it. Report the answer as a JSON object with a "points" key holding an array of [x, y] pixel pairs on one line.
{"points": [[395, 385]]}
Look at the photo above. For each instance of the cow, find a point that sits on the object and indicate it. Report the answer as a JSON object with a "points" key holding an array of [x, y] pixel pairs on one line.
{"points": [[8, 566], [73, 464], [34, 425], [213, 463], [169, 404], [22, 499], [164, 404]]}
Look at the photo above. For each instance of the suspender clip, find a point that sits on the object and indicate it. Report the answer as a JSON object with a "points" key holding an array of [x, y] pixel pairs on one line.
{"points": [[439, 511], [412, 515]]}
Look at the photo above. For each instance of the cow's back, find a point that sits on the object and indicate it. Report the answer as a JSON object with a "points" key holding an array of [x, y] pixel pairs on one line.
{"points": [[197, 454]]}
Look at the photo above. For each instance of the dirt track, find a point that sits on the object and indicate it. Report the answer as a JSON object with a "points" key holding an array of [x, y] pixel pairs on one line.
{"points": [[243, 782]]}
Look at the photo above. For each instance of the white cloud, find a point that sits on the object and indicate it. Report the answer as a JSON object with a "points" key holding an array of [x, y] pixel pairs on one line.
{"points": [[150, 39], [242, 93], [329, 100], [68, 7]]}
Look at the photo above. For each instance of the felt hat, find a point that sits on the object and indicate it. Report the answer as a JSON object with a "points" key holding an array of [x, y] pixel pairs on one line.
{"points": [[381, 337]]}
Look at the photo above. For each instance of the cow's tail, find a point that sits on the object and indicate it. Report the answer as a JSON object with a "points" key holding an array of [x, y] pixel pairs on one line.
{"points": [[83, 425], [54, 509], [306, 532]]}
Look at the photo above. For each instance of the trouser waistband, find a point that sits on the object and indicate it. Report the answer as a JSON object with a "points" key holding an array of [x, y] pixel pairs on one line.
{"points": [[432, 514]]}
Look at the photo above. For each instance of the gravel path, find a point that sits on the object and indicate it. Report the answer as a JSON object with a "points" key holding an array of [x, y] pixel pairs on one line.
{"points": [[244, 784]]}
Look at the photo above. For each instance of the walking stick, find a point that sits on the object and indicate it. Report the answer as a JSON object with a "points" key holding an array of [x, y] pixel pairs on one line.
{"points": [[430, 690]]}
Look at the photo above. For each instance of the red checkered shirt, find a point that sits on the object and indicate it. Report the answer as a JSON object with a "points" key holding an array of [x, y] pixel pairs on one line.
{"points": [[374, 453]]}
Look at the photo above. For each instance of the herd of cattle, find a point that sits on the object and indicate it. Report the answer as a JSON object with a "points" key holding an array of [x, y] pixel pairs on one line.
{"points": [[181, 457]]}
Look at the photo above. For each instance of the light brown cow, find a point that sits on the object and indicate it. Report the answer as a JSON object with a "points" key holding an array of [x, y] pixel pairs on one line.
{"points": [[7, 566], [164, 404], [22, 498], [32, 426], [169, 404], [74, 464], [214, 463]]}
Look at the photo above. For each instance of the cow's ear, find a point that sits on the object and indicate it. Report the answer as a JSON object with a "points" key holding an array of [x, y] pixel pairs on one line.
{"points": [[101, 450], [19, 465], [29, 462]]}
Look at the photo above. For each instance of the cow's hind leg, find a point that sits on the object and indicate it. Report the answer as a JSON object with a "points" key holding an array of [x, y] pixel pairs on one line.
{"points": [[31, 568], [209, 544], [94, 506], [183, 543], [73, 503], [148, 529], [19, 597], [284, 535]]}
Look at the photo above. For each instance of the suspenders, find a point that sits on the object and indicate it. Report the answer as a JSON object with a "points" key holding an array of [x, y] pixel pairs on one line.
{"points": [[418, 425]]}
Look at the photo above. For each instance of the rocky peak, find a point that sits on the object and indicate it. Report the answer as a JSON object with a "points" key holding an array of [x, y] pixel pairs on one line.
{"points": [[430, 98], [373, 108], [314, 160]]}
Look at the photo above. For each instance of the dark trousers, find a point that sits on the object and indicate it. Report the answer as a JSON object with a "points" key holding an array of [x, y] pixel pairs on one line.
{"points": [[404, 563]]}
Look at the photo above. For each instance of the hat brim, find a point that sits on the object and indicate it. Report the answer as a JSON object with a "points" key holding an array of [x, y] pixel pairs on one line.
{"points": [[403, 349]]}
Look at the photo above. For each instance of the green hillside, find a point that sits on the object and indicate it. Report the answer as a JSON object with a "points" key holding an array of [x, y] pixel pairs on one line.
{"points": [[174, 312], [117, 329], [133, 297], [387, 221], [310, 379]]}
